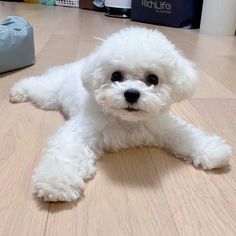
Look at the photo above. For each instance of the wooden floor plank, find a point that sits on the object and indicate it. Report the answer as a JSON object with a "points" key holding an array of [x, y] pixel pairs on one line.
{"points": [[20, 144], [202, 201]]}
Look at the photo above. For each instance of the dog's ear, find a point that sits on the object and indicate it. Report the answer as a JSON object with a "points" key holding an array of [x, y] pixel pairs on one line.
{"points": [[91, 72], [185, 79]]}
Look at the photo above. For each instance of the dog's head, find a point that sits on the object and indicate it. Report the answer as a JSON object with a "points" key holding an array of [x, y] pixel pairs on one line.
{"points": [[137, 73]]}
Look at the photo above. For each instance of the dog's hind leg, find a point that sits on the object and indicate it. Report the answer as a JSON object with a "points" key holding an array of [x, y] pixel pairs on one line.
{"points": [[44, 91], [40, 90]]}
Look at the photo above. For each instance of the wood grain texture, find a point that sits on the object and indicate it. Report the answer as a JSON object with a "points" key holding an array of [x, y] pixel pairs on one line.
{"points": [[143, 191]]}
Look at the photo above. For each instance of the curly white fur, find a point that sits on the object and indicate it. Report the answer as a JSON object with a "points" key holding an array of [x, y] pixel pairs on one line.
{"points": [[98, 115]]}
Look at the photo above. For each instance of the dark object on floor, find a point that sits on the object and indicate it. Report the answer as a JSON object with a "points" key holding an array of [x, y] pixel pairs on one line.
{"points": [[118, 12], [181, 13], [16, 44], [89, 5], [118, 8]]}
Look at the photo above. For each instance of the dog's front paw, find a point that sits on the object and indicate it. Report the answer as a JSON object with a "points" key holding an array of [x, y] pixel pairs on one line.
{"points": [[213, 154], [17, 93], [57, 188]]}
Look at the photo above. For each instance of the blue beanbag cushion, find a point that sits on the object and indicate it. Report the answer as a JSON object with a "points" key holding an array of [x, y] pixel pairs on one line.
{"points": [[16, 44]]}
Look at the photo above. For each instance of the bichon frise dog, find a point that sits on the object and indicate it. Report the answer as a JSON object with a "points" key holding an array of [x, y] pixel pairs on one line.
{"points": [[118, 97]]}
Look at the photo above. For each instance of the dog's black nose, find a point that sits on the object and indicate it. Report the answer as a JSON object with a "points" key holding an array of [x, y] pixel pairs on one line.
{"points": [[132, 95]]}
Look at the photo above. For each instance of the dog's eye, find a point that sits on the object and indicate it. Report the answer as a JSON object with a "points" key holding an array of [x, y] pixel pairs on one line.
{"points": [[152, 79], [116, 76]]}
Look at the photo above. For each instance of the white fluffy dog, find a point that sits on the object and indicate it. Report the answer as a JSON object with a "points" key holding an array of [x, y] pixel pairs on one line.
{"points": [[118, 97]]}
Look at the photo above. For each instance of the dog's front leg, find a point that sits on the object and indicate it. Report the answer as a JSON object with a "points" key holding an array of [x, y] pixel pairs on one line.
{"points": [[67, 162], [186, 141]]}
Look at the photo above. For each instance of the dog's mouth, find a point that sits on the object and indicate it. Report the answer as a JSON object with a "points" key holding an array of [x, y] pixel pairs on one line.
{"points": [[130, 113], [131, 109]]}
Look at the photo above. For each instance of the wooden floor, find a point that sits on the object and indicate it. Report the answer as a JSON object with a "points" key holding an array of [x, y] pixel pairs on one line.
{"points": [[138, 192]]}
